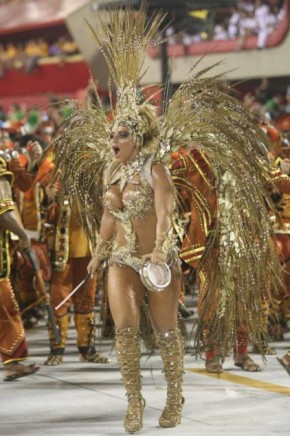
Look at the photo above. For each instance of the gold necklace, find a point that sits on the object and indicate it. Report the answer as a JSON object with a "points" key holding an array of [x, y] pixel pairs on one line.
{"points": [[129, 171]]}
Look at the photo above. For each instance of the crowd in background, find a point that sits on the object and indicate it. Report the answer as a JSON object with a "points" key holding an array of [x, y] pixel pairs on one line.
{"points": [[266, 100], [263, 98], [249, 17], [25, 55], [31, 119]]}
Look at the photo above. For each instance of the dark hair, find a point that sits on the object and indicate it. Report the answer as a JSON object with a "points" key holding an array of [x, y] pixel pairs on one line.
{"points": [[24, 139]]}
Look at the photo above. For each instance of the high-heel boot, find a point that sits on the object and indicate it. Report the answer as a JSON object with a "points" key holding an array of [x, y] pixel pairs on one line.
{"points": [[172, 353], [128, 356]]}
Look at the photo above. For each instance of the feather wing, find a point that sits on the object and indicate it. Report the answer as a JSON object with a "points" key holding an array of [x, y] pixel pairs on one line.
{"points": [[82, 154], [241, 264]]}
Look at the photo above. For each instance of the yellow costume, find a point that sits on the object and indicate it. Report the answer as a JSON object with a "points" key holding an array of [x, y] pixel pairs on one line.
{"points": [[70, 253]]}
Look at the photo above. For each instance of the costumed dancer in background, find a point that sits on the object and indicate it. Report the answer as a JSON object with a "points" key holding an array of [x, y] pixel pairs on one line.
{"points": [[280, 157], [28, 170], [194, 180], [13, 346], [226, 190], [138, 204], [70, 257], [282, 230]]}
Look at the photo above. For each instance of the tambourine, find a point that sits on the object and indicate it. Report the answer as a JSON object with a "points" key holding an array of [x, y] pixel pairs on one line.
{"points": [[155, 277]]}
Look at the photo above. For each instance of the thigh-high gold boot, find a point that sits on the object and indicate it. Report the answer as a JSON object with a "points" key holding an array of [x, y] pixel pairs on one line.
{"points": [[172, 353], [128, 356]]}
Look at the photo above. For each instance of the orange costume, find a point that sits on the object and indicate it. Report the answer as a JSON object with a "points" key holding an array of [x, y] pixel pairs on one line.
{"points": [[282, 231], [70, 257], [28, 196], [195, 182], [13, 346], [12, 337]]}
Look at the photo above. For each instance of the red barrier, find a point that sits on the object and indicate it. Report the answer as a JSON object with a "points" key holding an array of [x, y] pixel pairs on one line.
{"points": [[44, 79]]}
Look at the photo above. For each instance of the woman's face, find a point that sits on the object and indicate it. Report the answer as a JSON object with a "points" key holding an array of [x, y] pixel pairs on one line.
{"points": [[122, 145]]}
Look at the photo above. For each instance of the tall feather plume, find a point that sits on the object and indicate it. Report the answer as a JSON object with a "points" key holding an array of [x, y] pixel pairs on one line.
{"points": [[123, 39], [123, 36]]}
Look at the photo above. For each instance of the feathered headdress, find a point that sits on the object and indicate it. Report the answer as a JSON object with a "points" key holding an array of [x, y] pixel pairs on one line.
{"points": [[123, 37]]}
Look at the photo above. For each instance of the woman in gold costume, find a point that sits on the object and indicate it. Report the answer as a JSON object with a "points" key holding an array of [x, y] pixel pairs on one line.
{"points": [[137, 221], [138, 206]]}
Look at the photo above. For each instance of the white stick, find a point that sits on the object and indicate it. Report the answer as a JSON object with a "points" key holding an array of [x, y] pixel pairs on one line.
{"points": [[72, 292]]}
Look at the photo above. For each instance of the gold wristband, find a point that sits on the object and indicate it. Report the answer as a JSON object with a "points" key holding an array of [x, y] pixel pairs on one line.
{"points": [[166, 244], [103, 250]]}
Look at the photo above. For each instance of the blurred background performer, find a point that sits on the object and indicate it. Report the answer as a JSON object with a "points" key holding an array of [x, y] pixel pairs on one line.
{"points": [[13, 346]]}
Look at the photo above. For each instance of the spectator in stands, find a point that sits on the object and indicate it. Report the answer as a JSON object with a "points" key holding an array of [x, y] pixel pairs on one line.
{"points": [[233, 24], [274, 106], [170, 35], [262, 13], [11, 54], [69, 47], [55, 49], [33, 53], [3, 116], [251, 103], [264, 91], [220, 32], [43, 48], [287, 105], [187, 39], [16, 114], [33, 118], [3, 59], [247, 27], [246, 5]]}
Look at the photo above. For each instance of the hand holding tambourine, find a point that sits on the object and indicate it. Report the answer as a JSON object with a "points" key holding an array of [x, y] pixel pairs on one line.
{"points": [[155, 276]]}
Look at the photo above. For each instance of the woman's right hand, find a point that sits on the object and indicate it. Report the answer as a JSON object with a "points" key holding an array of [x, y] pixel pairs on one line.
{"points": [[93, 266]]}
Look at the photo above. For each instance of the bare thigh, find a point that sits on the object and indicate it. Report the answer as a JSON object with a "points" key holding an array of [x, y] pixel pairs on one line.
{"points": [[125, 294], [163, 305]]}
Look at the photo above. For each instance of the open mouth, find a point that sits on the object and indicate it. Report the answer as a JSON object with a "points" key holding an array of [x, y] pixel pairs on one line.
{"points": [[116, 151]]}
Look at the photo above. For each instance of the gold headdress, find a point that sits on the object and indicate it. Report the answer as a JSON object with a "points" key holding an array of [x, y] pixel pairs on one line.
{"points": [[123, 39]]}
